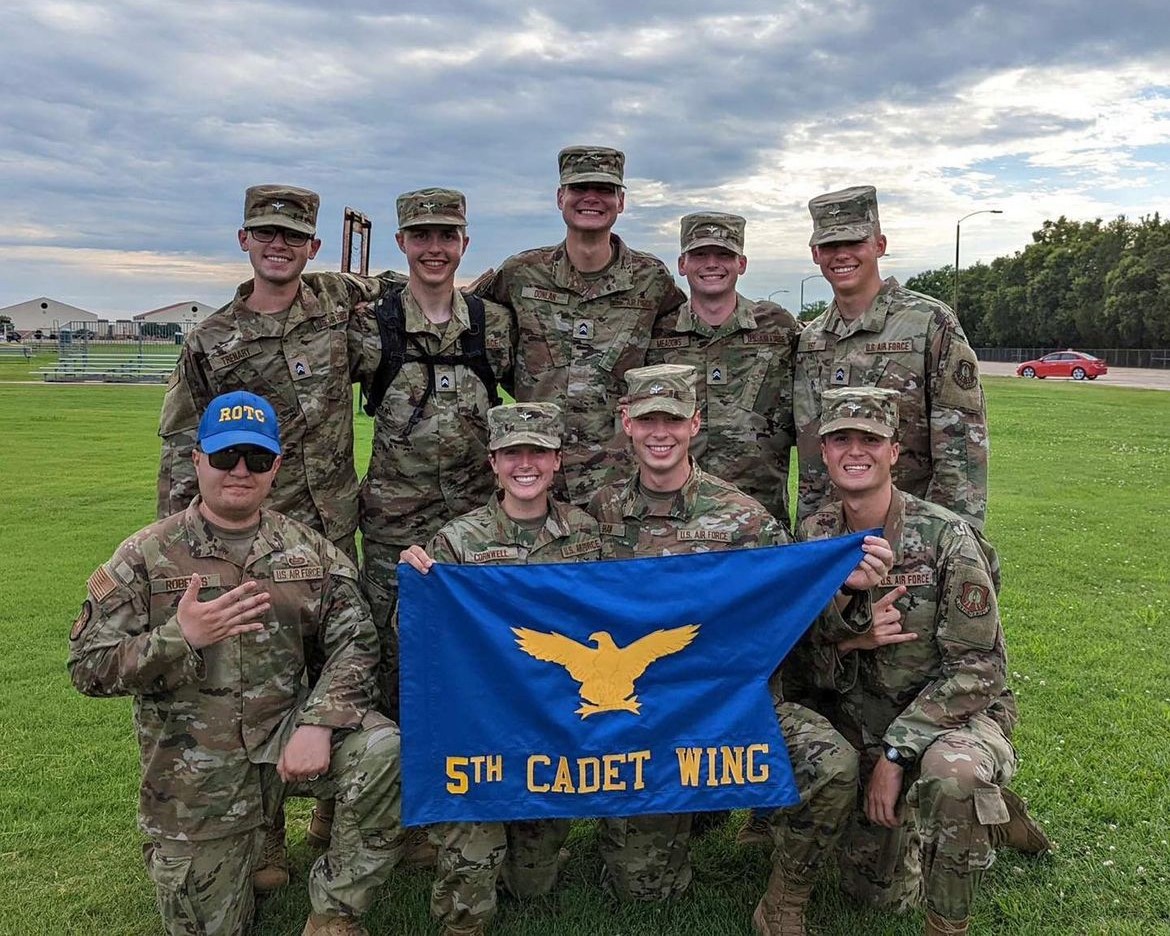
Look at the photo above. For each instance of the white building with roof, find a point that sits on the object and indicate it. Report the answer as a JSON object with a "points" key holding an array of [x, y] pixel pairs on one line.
{"points": [[188, 313], [45, 315]]}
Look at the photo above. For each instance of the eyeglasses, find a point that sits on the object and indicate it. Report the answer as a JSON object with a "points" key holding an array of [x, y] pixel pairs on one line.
{"points": [[268, 233], [257, 461]]}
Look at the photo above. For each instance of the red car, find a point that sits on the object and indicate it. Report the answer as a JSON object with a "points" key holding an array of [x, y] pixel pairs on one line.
{"points": [[1074, 364]]}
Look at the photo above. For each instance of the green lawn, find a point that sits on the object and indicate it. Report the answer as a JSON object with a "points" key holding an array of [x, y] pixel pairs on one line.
{"points": [[1080, 511]]}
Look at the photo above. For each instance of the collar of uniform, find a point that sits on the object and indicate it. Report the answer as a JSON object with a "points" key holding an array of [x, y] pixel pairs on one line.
{"points": [[510, 533], [742, 318], [204, 545], [635, 505], [416, 323], [255, 325], [895, 525], [618, 276], [872, 319]]}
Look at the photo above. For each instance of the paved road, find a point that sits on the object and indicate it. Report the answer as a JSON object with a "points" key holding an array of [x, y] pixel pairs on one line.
{"points": [[1143, 377]]}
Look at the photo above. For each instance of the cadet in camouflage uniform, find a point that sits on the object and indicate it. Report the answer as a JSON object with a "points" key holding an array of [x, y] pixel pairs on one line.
{"points": [[291, 337], [743, 352], [430, 457], [584, 312], [929, 712], [877, 333], [521, 525], [669, 507], [215, 620]]}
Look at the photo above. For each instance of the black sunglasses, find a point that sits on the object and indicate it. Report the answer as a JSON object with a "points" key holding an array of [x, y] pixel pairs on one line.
{"points": [[267, 234], [257, 460]]}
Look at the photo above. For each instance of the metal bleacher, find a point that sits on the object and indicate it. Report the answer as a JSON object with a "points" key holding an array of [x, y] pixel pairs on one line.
{"points": [[112, 364]]}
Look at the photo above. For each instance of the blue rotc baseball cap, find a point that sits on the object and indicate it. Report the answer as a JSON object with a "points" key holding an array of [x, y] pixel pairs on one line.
{"points": [[239, 418]]}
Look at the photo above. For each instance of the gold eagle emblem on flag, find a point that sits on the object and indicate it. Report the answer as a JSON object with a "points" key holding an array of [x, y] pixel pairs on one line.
{"points": [[605, 672]]}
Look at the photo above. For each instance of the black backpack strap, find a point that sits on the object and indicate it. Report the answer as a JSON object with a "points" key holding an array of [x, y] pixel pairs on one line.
{"points": [[392, 329], [472, 343]]}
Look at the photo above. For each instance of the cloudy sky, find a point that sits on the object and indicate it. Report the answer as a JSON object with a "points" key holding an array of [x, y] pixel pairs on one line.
{"points": [[132, 127]]}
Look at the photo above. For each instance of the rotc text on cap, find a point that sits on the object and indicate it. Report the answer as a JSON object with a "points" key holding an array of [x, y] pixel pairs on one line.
{"points": [[239, 418], [283, 206]]}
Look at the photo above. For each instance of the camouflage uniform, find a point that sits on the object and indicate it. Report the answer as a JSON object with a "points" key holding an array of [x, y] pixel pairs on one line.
{"points": [[212, 723], [417, 481], [941, 701], [908, 342], [521, 856], [648, 857], [305, 362], [578, 334]]}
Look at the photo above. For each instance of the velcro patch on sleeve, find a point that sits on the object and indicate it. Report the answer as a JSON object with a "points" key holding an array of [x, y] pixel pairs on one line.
{"points": [[82, 620], [101, 584]]}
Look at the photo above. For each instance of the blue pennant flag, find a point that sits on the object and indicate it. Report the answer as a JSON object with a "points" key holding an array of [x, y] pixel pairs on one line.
{"points": [[608, 688]]}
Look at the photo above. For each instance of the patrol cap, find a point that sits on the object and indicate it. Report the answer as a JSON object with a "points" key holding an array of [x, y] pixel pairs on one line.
{"points": [[432, 206], [283, 206], [591, 164], [712, 229], [239, 418], [539, 424], [848, 215], [870, 409], [661, 388]]}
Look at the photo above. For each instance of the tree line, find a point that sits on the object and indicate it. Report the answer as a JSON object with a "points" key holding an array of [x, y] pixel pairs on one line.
{"points": [[1087, 284]]}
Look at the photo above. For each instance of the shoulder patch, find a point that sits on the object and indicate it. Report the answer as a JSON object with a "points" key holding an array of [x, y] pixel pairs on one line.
{"points": [[965, 374], [973, 599], [101, 584], [82, 620]]}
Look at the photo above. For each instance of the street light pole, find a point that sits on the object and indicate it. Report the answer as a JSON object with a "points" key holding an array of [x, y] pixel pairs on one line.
{"points": [[768, 298], [802, 282], [955, 297]]}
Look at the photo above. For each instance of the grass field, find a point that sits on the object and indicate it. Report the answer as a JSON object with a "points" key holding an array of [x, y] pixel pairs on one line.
{"points": [[1080, 512]]}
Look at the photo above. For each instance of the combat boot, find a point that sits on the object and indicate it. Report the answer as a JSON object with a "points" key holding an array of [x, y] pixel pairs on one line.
{"points": [[941, 926], [331, 924], [271, 872], [780, 911], [754, 831], [320, 825], [1021, 831]]}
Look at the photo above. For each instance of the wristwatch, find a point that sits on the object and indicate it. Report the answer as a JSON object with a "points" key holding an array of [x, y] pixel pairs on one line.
{"points": [[894, 756]]}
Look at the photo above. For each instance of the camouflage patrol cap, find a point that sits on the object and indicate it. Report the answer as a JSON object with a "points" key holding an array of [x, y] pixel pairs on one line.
{"points": [[870, 409], [591, 164], [712, 229], [432, 206], [848, 215], [283, 206], [661, 388], [539, 424]]}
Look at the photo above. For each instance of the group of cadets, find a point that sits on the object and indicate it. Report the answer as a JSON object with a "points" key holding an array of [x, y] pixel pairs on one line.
{"points": [[263, 663]]}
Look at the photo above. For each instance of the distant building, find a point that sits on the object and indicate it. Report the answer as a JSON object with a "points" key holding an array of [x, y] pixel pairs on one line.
{"points": [[45, 315], [185, 314]]}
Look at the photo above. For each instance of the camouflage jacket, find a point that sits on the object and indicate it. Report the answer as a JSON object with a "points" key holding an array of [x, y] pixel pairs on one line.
{"points": [[914, 344], [744, 393], [204, 717], [306, 369], [416, 482], [576, 338], [906, 695], [488, 536], [706, 515]]}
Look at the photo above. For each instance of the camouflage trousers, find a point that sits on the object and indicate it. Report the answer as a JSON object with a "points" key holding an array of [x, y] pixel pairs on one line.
{"points": [[204, 888], [943, 846], [379, 583], [825, 766], [648, 857], [477, 857]]}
